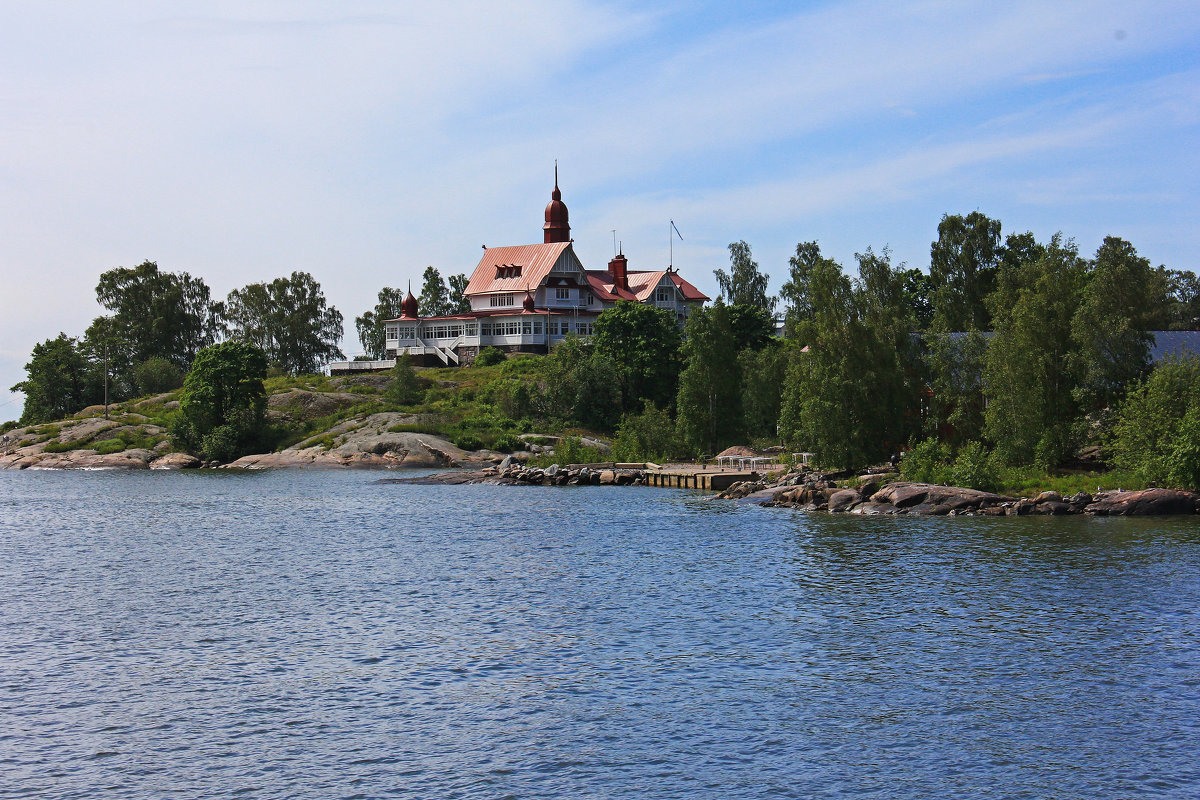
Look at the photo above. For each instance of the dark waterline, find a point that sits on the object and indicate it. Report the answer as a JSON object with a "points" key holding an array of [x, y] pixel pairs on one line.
{"points": [[319, 635]]}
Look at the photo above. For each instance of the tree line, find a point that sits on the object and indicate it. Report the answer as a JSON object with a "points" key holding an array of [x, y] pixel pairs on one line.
{"points": [[157, 324], [437, 299], [1008, 351]]}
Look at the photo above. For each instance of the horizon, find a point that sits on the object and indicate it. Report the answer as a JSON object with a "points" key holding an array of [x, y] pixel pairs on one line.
{"points": [[240, 143]]}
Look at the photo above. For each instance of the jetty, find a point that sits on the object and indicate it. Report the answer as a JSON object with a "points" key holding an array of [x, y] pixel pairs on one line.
{"points": [[706, 477]]}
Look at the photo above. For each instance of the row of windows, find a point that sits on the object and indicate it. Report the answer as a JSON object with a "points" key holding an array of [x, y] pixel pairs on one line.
{"points": [[501, 300], [513, 327]]}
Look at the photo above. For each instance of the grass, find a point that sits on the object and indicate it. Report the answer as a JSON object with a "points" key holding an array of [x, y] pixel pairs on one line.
{"points": [[1029, 482]]}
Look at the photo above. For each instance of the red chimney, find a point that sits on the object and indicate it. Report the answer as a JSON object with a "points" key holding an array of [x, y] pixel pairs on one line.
{"points": [[618, 268]]}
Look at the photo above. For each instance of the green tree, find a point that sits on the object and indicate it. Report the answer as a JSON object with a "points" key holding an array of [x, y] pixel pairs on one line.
{"points": [[963, 263], [1156, 434], [59, 381], [643, 343], [223, 402], [744, 284], [459, 303], [751, 327], [155, 315], [918, 288], [851, 392], [156, 375], [797, 291], [763, 375], [709, 401], [435, 297], [1108, 329], [288, 320], [648, 436], [579, 385], [1032, 415], [954, 365], [1182, 311], [372, 333], [405, 388]]}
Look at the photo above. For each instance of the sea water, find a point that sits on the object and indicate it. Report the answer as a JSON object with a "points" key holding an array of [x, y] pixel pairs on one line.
{"points": [[322, 635]]}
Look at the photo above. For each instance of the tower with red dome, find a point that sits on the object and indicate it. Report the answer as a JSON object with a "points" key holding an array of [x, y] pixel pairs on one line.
{"points": [[557, 228]]}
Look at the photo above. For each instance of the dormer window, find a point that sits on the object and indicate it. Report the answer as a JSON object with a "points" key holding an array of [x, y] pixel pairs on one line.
{"points": [[508, 270]]}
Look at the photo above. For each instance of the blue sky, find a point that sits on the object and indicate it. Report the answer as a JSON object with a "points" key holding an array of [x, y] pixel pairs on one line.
{"points": [[362, 141]]}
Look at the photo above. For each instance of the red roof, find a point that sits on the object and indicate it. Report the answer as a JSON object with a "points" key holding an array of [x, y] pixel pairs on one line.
{"points": [[535, 262], [641, 285]]}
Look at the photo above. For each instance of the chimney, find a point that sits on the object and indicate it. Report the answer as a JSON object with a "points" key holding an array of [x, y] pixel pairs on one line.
{"points": [[618, 268]]}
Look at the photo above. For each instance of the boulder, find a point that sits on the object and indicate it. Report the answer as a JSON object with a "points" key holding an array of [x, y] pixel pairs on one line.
{"points": [[608, 477], [175, 461], [843, 499], [902, 494], [928, 509], [1146, 502]]}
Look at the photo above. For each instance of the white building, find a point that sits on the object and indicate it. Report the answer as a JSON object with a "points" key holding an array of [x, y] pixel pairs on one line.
{"points": [[528, 297]]}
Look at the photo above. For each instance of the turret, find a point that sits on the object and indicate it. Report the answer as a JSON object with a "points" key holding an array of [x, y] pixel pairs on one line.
{"points": [[557, 228]]}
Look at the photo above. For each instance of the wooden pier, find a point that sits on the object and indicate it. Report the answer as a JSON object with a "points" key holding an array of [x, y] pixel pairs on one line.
{"points": [[713, 480]]}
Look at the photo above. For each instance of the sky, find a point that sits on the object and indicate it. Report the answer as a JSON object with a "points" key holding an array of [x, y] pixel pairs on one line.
{"points": [[361, 141]]}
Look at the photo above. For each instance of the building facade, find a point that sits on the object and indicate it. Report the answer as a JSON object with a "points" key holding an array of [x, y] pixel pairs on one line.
{"points": [[526, 298]]}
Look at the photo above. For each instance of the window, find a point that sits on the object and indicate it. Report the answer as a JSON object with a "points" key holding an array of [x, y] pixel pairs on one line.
{"points": [[590, 299], [501, 300], [527, 326], [553, 326], [485, 329], [665, 294], [512, 328], [469, 329], [391, 332], [562, 293], [537, 326]]}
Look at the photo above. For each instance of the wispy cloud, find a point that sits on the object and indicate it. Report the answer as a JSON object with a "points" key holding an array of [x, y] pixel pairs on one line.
{"points": [[363, 140]]}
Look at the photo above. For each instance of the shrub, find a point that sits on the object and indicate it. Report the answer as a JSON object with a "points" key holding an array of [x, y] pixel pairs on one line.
{"points": [[1155, 428], [108, 446], [468, 441], [405, 388], [648, 436], [489, 356], [221, 443], [157, 375], [926, 462], [1183, 462], [975, 469], [67, 446], [508, 444]]}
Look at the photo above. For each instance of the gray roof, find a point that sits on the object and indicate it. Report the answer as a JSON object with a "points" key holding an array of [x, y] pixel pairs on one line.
{"points": [[1179, 344], [1174, 343]]}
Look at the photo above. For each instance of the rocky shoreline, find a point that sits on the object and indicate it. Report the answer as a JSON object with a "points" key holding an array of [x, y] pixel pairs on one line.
{"points": [[816, 491], [360, 443]]}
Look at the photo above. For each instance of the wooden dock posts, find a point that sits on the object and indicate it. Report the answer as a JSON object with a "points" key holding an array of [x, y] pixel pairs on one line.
{"points": [[715, 481], [678, 476]]}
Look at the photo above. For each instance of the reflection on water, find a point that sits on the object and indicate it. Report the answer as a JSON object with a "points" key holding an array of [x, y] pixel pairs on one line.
{"points": [[321, 635]]}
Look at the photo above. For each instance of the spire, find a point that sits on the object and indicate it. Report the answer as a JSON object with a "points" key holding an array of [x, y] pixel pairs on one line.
{"points": [[557, 227]]}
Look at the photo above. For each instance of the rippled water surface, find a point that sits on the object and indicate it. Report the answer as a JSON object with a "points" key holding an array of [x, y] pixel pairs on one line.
{"points": [[320, 635]]}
